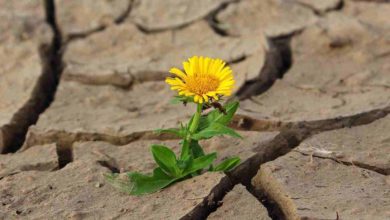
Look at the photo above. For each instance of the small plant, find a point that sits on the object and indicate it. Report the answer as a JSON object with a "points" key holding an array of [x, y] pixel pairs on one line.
{"points": [[204, 82]]}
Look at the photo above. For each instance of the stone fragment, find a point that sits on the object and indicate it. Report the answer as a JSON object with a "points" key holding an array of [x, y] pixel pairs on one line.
{"points": [[72, 193], [287, 103], [20, 21], [272, 17], [307, 187], [365, 146], [81, 16], [370, 12], [84, 112], [155, 15], [248, 69], [123, 55], [43, 158], [244, 148], [339, 51], [339, 64], [320, 6], [22, 29], [136, 155], [240, 204]]}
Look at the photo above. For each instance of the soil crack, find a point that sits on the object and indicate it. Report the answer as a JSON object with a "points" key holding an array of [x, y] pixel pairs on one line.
{"points": [[291, 136], [211, 202], [68, 137], [44, 90], [65, 141], [213, 22], [274, 210], [358, 164], [102, 27], [278, 61], [318, 12], [243, 122], [64, 154]]}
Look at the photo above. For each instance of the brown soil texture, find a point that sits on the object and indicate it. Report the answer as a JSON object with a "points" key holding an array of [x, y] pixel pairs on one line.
{"points": [[82, 90]]}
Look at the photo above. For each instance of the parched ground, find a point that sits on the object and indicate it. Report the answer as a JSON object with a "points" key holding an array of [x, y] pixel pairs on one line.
{"points": [[82, 89]]}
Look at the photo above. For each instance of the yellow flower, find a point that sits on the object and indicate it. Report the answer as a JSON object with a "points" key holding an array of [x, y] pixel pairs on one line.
{"points": [[204, 79]]}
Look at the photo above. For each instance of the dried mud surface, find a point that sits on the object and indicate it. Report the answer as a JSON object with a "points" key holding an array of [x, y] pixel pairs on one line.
{"points": [[82, 89]]}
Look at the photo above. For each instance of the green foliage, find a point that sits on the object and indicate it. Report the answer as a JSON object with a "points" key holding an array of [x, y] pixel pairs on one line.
{"points": [[184, 163], [166, 159], [181, 99], [178, 132], [215, 123], [216, 116], [143, 184], [173, 171], [227, 164], [185, 149], [192, 161], [201, 162], [197, 150], [215, 129], [122, 184], [139, 184]]}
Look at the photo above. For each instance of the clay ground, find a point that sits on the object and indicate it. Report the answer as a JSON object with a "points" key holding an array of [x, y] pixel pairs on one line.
{"points": [[82, 89]]}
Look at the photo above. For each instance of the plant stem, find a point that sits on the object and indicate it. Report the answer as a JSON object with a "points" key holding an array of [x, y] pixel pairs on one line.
{"points": [[185, 149], [194, 125], [195, 122]]}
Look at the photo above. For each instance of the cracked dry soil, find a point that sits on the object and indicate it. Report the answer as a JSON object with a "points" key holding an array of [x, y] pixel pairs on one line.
{"points": [[81, 90]]}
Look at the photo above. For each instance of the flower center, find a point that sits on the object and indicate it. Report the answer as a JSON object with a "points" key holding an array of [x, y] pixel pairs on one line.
{"points": [[202, 84]]}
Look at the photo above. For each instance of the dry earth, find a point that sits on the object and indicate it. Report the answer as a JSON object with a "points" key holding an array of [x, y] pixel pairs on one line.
{"points": [[81, 91]]}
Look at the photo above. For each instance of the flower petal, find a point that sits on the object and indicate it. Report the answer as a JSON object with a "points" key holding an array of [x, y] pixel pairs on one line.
{"points": [[203, 79], [188, 69], [206, 98], [196, 98], [178, 72]]}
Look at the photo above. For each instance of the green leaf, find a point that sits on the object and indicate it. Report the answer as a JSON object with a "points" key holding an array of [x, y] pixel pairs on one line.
{"points": [[181, 99], [200, 163], [143, 184], [185, 149], [185, 162], [216, 116], [178, 132], [166, 159], [215, 129], [175, 100], [190, 122], [227, 164], [197, 150], [140, 184], [115, 181]]}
